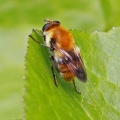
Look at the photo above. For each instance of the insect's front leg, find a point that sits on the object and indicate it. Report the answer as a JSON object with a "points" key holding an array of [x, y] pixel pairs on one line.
{"points": [[38, 33], [39, 42], [52, 67]]}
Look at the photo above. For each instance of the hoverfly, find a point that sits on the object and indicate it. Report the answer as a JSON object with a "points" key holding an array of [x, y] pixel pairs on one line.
{"points": [[66, 55]]}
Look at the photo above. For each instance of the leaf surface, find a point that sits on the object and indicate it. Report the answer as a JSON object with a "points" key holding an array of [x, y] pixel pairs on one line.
{"points": [[100, 94]]}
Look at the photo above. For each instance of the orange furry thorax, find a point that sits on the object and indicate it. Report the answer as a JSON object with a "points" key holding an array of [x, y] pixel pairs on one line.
{"points": [[62, 37]]}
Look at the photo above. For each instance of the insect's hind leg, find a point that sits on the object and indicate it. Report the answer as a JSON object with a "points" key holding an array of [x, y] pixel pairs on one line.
{"points": [[75, 87], [54, 76]]}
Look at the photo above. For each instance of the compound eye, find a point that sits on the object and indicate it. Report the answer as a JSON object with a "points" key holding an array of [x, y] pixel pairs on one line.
{"points": [[46, 26], [56, 22]]}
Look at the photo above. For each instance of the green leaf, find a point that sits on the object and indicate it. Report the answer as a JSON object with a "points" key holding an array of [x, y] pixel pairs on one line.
{"points": [[100, 95]]}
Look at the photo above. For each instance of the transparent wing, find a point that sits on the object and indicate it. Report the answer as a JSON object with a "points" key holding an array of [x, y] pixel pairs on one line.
{"points": [[74, 62]]}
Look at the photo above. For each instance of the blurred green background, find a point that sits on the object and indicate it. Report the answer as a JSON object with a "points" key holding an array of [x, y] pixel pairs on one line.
{"points": [[18, 17]]}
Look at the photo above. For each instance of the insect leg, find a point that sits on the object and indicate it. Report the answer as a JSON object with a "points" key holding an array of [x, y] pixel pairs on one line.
{"points": [[39, 42], [76, 88], [54, 76], [38, 33]]}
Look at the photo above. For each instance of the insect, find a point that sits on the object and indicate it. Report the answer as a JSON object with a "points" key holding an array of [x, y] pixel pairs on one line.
{"points": [[65, 54]]}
